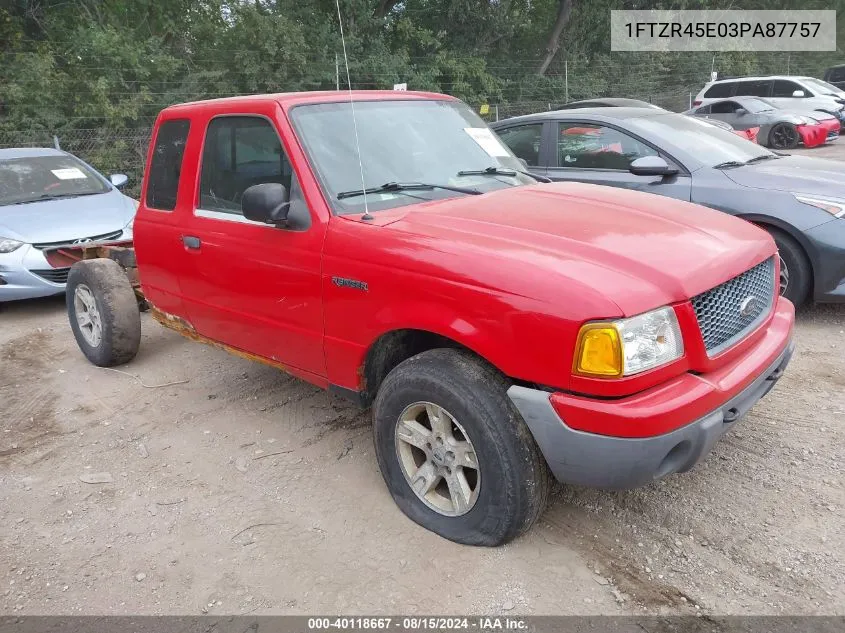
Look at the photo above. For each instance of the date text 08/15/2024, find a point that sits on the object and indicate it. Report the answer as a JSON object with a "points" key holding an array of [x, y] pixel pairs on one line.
{"points": [[432, 623]]}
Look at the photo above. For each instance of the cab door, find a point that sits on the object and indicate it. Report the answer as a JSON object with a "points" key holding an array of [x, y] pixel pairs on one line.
{"points": [[253, 286], [157, 229]]}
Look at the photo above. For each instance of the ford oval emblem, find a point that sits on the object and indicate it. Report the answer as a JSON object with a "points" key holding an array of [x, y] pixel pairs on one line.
{"points": [[748, 306]]}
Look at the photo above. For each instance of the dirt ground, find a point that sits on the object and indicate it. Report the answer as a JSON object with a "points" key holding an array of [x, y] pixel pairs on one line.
{"points": [[229, 488]]}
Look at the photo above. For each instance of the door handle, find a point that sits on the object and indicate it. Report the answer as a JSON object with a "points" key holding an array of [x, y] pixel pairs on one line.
{"points": [[191, 242]]}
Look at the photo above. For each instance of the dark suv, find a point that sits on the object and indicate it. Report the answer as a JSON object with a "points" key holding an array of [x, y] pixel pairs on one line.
{"points": [[836, 75]]}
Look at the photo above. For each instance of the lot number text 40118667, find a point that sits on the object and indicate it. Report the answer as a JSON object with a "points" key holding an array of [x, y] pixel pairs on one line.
{"points": [[482, 624]]}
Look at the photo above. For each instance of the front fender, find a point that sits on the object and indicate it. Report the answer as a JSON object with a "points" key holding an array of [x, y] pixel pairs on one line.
{"points": [[516, 335]]}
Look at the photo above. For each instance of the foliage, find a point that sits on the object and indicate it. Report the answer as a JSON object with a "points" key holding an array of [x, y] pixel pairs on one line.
{"points": [[111, 65]]}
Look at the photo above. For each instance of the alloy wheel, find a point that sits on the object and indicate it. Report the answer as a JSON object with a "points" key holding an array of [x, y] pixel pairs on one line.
{"points": [[784, 275], [87, 315], [784, 136], [437, 459]]}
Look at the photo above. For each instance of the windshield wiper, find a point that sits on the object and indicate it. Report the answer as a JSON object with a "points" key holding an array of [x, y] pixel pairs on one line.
{"points": [[761, 158], [390, 187], [730, 163], [498, 171], [58, 196]]}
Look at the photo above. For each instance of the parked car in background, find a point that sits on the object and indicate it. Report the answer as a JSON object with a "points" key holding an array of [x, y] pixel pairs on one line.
{"points": [[835, 76], [779, 128], [806, 93], [798, 199], [618, 102], [799, 107], [608, 102], [826, 120], [49, 198], [749, 134]]}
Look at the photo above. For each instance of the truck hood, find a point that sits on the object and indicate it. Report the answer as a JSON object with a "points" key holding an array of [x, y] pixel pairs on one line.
{"points": [[799, 174], [66, 219], [638, 250]]}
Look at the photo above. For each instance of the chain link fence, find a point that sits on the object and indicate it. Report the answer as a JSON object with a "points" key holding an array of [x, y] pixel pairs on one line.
{"points": [[124, 150], [110, 151], [668, 80], [677, 101]]}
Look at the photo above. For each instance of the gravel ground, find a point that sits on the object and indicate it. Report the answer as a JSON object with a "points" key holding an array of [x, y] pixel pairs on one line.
{"points": [[192, 481]]}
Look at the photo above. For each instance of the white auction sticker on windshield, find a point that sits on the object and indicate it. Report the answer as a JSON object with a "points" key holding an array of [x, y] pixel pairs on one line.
{"points": [[71, 173], [489, 143]]}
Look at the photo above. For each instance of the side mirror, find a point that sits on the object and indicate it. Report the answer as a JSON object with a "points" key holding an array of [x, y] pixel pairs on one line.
{"points": [[267, 203], [524, 163], [798, 93], [118, 180], [740, 111], [651, 166]]}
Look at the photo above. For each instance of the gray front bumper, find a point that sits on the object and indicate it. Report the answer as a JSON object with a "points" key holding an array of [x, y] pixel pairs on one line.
{"points": [[616, 463], [17, 281]]}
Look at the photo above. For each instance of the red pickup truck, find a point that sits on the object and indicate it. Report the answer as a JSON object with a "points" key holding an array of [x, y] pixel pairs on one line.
{"points": [[501, 329]]}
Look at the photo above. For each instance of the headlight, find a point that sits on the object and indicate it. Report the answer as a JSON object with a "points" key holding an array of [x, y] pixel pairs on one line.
{"points": [[8, 245], [833, 206], [612, 349]]}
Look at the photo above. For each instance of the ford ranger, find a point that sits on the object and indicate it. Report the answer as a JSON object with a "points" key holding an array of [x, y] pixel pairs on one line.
{"points": [[387, 247]]}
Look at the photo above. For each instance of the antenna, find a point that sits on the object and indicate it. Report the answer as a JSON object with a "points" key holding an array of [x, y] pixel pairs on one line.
{"points": [[366, 215]]}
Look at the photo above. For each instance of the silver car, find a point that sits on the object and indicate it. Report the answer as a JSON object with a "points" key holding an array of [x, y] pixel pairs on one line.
{"points": [[779, 127], [50, 198]]}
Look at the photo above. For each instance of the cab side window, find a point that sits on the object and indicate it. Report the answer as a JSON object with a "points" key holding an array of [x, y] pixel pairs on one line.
{"points": [[239, 152], [717, 91], [524, 141], [592, 146], [166, 164]]}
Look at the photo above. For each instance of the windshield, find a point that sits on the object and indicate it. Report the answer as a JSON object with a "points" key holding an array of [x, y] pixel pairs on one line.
{"points": [[408, 141], [828, 89], [710, 145], [34, 178]]}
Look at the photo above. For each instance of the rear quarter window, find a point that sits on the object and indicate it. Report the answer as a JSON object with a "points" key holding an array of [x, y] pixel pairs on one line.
{"points": [[166, 164], [717, 91]]}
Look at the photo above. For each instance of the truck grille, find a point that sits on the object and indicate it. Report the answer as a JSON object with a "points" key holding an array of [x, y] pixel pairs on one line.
{"points": [[55, 275], [733, 309], [82, 240]]}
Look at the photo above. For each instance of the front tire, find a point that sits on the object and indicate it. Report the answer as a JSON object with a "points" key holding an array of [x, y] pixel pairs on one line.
{"points": [[455, 454], [795, 271], [783, 136], [103, 312]]}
